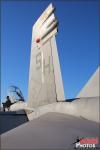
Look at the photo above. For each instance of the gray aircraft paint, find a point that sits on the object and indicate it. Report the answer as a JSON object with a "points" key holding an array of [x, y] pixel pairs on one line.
{"points": [[91, 89], [45, 82], [52, 131]]}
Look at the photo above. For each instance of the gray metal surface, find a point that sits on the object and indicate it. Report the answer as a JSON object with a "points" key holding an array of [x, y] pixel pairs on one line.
{"points": [[45, 82], [51, 131], [87, 108], [91, 88], [41, 92]]}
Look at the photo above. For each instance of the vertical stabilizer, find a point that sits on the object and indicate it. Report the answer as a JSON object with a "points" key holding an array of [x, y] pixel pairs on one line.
{"points": [[45, 82], [91, 89]]}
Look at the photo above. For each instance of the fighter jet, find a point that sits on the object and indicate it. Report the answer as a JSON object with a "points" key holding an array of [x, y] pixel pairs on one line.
{"points": [[58, 121]]}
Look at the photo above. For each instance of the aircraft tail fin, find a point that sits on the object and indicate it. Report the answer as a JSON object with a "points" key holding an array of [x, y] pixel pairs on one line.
{"points": [[45, 82]]}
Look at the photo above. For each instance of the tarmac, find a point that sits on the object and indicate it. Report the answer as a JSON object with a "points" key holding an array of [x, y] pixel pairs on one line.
{"points": [[11, 119]]}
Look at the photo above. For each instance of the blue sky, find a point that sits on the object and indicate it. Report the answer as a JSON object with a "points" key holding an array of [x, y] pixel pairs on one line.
{"points": [[77, 42]]}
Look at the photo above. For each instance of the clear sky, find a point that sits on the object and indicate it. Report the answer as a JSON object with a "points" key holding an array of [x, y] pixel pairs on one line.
{"points": [[77, 42]]}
